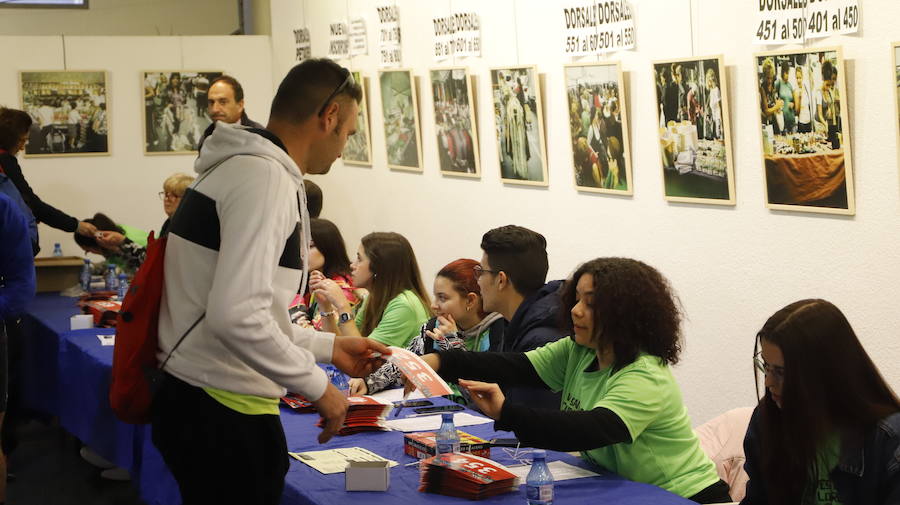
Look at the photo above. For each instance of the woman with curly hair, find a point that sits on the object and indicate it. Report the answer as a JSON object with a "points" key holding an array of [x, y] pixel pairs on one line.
{"points": [[621, 406]]}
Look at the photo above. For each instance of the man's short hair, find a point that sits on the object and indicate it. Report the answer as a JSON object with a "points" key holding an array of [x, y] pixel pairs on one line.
{"points": [[235, 86], [314, 198], [306, 87], [521, 253], [13, 124]]}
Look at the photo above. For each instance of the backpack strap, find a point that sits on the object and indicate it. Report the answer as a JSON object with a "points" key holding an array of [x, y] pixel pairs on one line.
{"points": [[180, 340]]}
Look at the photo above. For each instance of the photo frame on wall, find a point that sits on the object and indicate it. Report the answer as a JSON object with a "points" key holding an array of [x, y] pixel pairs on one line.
{"points": [[358, 150], [175, 110], [519, 125], [598, 126], [694, 130], [895, 84], [400, 110], [69, 112], [454, 118], [804, 130]]}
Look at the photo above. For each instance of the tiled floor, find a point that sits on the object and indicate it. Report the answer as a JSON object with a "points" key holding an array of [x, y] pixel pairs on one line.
{"points": [[49, 471]]}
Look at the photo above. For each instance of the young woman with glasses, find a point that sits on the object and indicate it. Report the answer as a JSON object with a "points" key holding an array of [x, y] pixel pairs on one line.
{"points": [[827, 430]]}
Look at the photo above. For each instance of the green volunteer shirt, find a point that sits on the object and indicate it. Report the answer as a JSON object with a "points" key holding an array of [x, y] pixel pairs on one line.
{"points": [[664, 450], [400, 322], [824, 492], [245, 404]]}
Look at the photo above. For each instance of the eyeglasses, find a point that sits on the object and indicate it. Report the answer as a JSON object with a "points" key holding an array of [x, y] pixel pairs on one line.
{"points": [[481, 271], [165, 194], [777, 372], [347, 81]]}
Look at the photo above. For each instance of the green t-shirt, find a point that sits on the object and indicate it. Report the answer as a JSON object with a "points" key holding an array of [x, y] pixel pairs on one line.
{"points": [[400, 322], [824, 492], [664, 450]]}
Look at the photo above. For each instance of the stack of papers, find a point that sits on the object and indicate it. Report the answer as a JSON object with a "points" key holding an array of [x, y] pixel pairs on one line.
{"points": [[465, 476], [433, 423], [364, 414], [335, 460]]}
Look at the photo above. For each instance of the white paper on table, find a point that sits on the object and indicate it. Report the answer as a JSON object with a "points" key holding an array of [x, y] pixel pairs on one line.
{"points": [[107, 339], [433, 423], [396, 395], [560, 470], [335, 460]]}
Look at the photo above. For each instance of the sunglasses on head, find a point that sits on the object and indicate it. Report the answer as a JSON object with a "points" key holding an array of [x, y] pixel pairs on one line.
{"points": [[348, 80]]}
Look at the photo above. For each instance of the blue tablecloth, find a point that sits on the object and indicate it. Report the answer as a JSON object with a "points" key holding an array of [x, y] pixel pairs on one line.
{"points": [[67, 375]]}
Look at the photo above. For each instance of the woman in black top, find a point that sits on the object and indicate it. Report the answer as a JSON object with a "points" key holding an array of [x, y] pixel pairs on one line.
{"points": [[14, 127]]}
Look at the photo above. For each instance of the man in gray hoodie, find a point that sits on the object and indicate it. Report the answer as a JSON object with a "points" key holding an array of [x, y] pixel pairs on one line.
{"points": [[236, 254]]}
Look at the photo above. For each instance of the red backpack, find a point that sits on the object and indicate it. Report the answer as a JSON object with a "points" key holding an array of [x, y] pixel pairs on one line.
{"points": [[136, 373]]}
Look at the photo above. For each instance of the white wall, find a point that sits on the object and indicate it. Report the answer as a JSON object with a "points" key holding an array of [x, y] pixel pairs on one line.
{"points": [[125, 17], [732, 266], [125, 184]]}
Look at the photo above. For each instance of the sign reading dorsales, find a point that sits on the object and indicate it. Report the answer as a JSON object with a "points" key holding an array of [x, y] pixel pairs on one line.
{"points": [[338, 40], [301, 39], [389, 38], [457, 35], [594, 27], [795, 21]]}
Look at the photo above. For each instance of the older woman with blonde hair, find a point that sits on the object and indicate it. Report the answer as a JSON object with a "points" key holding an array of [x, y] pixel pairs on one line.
{"points": [[173, 189]]}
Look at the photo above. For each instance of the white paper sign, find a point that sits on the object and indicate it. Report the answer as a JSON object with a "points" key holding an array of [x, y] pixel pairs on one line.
{"points": [[338, 40], [598, 27], [359, 44], [825, 18], [301, 38], [389, 36], [336, 460], [106, 340], [458, 34]]}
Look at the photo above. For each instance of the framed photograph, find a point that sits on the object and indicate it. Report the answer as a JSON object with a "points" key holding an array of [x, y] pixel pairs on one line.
{"points": [[69, 112], [895, 51], [519, 125], [598, 127], [400, 110], [358, 150], [804, 130], [454, 119], [175, 110], [694, 130]]}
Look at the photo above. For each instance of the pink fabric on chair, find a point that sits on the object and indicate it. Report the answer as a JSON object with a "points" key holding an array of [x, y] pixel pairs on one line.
{"points": [[722, 438]]}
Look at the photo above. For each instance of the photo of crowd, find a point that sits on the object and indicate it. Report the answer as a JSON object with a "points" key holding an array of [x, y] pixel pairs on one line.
{"points": [[519, 125], [175, 110], [694, 138], [896, 50], [454, 118], [68, 110], [401, 120], [358, 150], [596, 123], [802, 124]]}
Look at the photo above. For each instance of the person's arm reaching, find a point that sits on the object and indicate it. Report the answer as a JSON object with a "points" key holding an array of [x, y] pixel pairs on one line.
{"points": [[43, 212], [506, 368]]}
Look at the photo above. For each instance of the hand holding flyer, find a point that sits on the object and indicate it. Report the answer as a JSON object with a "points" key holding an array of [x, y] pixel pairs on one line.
{"points": [[419, 373]]}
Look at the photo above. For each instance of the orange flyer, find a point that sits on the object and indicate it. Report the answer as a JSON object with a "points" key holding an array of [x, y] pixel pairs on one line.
{"points": [[419, 373]]}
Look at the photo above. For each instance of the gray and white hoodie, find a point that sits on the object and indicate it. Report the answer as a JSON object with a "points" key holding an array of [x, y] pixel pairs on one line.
{"points": [[234, 251]]}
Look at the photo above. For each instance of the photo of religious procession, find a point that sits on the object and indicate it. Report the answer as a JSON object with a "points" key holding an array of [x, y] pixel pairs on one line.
{"points": [[519, 125], [69, 113], [401, 120], [895, 49], [358, 150], [175, 110], [803, 124], [598, 127], [694, 133], [454, 117]]}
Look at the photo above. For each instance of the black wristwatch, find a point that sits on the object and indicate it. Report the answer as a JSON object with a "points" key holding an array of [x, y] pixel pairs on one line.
{"points": [[344, 317]]}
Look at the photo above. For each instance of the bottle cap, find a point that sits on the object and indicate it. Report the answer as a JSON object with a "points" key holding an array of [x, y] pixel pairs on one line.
{"points": [[538, 454], [447, 417]]}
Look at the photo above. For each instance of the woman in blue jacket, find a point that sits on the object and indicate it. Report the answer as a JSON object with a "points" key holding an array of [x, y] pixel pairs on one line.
{"points": [[827, 430]]}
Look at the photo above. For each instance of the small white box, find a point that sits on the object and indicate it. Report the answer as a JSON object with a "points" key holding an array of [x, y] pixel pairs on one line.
{"points": [[81, 322], [368, 475]]}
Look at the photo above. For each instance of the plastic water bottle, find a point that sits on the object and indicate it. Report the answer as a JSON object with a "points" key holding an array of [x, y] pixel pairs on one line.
{"points": [[339, 380], [57, 250], [85, 276], [123, 286], [539, 483], [447, 439], [111, 281]]}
